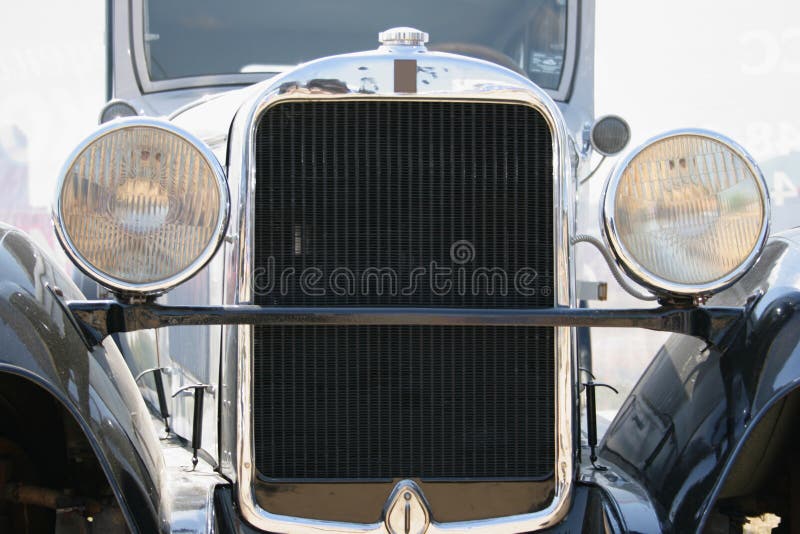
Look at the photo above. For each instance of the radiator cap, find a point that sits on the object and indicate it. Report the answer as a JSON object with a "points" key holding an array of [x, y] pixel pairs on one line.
{"points": [[403, 35]]}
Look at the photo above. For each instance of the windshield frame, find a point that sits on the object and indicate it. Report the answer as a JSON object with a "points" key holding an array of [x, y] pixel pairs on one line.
{"points": [[146, 85]]}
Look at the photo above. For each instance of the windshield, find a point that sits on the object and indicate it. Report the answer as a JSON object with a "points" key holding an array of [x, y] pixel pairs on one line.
{"points": [[191, 38]]}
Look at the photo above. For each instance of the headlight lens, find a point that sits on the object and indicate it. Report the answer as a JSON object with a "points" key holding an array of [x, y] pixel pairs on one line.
{"points": [[687, 213], [141, 206]]}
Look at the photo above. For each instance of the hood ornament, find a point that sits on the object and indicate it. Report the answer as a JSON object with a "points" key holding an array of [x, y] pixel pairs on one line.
{"points": [[406, 510]]}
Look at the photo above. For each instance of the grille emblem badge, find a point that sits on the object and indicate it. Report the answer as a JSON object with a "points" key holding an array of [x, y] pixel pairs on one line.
{"points": [[406, 510]]}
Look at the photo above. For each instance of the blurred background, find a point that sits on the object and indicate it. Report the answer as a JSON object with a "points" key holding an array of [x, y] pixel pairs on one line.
{"points": [[732, 67]]}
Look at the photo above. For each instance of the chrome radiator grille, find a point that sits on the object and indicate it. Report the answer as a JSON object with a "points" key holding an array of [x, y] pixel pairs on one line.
{"points": [[403, 203]]}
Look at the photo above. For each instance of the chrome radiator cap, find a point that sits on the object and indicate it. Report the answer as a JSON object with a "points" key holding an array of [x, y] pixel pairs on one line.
{"points": [[403, 35]]}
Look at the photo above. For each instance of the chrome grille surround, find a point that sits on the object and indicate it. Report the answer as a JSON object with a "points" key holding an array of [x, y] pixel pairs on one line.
{"points": [[463, 80]]}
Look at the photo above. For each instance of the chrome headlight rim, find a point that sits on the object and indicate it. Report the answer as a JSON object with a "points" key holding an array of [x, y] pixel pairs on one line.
{"points": [[155, 288], [650, 280]]}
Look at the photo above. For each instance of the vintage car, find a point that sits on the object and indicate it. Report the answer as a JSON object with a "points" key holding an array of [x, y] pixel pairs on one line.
{"points": [[338, 295]]}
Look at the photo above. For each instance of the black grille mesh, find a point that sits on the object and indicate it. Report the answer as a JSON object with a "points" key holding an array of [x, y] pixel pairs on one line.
{"points": [[360, 195], [400, 401], [375, 185]]}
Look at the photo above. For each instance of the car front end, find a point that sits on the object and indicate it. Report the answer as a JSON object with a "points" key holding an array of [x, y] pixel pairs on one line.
{"points": [[348, 290]]}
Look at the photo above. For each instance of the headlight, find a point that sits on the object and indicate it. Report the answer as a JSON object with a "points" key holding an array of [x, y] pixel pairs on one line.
{"points": [[687, 213], [141, 206]]}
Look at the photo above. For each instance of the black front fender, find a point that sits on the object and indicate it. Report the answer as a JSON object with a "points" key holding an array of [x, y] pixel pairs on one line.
{"points": [[680, 430], [40, 343]]}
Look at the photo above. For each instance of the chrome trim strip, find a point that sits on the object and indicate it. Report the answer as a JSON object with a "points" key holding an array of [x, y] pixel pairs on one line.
{"points": [[650, 280], [149, 288], [570, 62]]}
